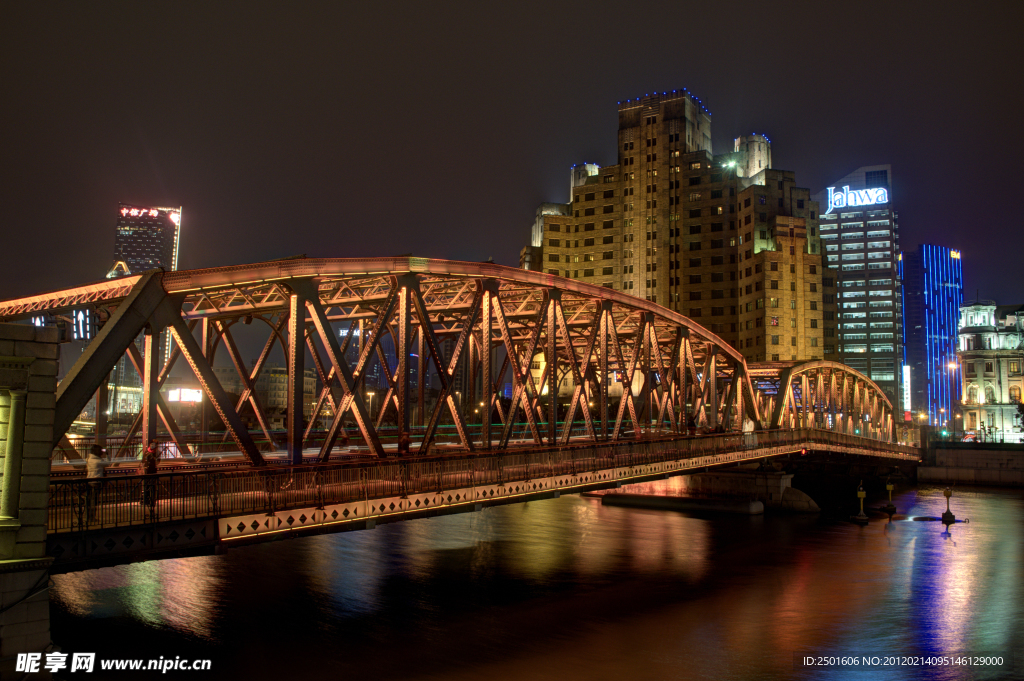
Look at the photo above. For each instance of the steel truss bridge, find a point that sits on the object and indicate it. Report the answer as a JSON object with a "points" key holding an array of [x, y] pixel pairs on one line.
{"points": [[605, 388]]}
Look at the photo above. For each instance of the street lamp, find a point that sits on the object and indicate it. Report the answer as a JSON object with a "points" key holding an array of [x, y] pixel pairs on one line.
{"points": [[370, 395]]}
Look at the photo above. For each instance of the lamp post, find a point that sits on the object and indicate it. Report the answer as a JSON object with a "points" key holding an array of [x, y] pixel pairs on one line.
{"points": [[370, 395], [953, 366]]}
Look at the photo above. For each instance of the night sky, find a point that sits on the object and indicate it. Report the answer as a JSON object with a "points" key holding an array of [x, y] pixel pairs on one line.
{"points": [[343, 129]]}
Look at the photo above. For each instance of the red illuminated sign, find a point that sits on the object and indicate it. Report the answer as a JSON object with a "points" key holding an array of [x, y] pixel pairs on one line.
{"points": [[139, 212]]}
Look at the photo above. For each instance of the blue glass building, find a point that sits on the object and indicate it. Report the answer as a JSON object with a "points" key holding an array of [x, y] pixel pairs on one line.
{"points": [[933, 291]]}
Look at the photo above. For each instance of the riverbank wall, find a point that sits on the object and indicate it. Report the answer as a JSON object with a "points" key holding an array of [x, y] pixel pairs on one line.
{"points": [[969, 463]]}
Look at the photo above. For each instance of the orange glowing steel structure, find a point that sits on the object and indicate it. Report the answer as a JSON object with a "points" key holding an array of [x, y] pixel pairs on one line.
{"points": [[627, 368]]}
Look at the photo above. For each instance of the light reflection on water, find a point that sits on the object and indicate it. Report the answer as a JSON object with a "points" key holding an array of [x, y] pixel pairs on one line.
{"points": [[567, 589]]}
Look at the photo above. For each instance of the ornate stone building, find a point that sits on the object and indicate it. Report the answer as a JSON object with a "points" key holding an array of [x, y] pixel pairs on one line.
{"points": [[724, 239], [991, 354]]}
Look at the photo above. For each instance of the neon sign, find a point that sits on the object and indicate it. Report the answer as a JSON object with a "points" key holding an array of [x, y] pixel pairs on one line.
{"points": [[172, 214], [140, 212], [857, 197]]}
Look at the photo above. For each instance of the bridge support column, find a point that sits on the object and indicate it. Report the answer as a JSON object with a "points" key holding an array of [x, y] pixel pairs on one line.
{"points": [[206, 340], [296, 374], [28, 386], [551, 360], [149, 387]]}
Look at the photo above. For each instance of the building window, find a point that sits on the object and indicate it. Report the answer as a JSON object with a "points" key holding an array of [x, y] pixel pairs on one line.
{"points": [[988, 367]]}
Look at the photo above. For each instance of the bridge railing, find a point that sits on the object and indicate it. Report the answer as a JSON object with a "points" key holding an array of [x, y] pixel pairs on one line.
{"points": [[77, 505]]}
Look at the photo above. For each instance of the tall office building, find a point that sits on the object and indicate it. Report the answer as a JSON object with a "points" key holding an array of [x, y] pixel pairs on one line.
{"points": [[860, 235], [933, 292], [146, 239], [726, 240]]}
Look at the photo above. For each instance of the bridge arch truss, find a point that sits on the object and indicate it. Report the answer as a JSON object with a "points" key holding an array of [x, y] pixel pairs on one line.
{"points": [[582, 362]]}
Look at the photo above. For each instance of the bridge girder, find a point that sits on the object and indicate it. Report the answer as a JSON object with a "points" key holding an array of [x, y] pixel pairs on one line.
{"points": [[540, 332], [832, 396]]}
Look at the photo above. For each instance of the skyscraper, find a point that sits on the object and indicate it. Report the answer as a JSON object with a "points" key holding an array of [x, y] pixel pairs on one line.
{"points": [[726, 240], [860, 235], [146, 239], [933, 292]]}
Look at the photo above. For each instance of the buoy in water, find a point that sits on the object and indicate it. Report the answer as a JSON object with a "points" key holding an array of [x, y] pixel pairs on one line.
{"points": [[948, 518], [861, 518]]}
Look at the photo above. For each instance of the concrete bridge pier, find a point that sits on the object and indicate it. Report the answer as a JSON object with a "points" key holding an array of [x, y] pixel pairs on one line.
{"points": [[28, 384]]}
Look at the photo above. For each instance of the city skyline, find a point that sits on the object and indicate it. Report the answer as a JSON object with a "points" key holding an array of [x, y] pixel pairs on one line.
{"points": [[270, 152]]}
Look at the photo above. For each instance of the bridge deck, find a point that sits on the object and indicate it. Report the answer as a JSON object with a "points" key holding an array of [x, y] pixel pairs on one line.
{"points": [[193, 510]]}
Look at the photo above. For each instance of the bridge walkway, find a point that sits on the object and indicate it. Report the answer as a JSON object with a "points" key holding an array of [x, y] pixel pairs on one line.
{"points": [[196, 511]]}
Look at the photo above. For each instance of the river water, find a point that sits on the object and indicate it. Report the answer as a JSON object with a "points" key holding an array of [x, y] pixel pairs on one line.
{"points": [[568, 589]]}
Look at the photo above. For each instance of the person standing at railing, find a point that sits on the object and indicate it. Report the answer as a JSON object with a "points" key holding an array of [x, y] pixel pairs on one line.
{"points": [[149, 464], [95, 470], [749, 439]]}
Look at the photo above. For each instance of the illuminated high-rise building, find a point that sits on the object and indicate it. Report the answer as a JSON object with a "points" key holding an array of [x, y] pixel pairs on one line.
{"points": [[146, 239], [860, 239], [933, 292], [725, 239]]}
